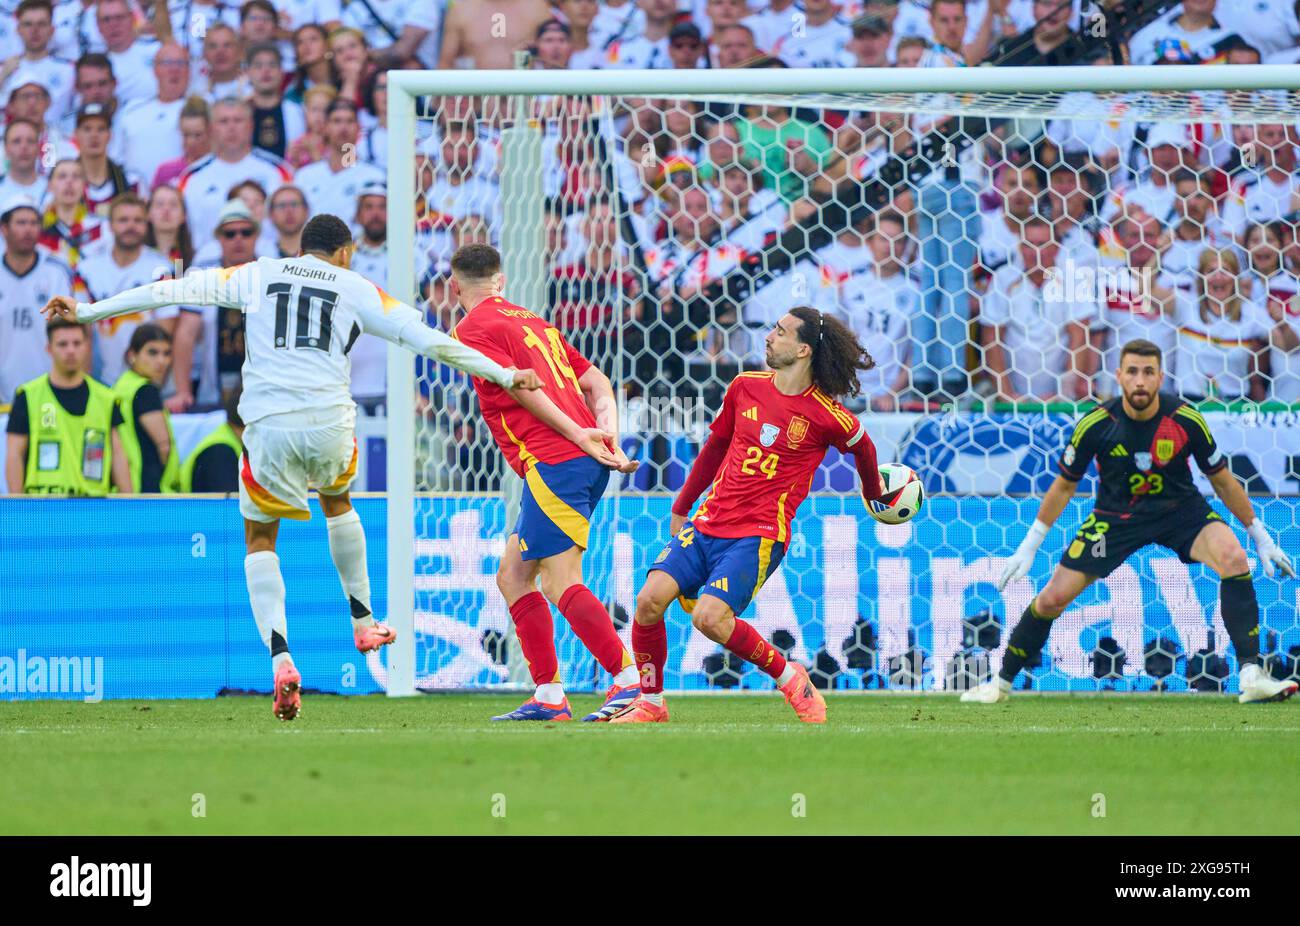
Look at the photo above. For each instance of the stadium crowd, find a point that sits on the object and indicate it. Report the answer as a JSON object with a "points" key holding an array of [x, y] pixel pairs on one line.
{"points": [[144, 139]]}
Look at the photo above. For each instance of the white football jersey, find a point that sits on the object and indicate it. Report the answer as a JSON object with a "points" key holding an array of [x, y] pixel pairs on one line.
{"points": [[22, 330], [302, 317]]}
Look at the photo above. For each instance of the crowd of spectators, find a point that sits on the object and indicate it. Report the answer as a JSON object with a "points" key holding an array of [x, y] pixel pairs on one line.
{"points": [[142, 138]]}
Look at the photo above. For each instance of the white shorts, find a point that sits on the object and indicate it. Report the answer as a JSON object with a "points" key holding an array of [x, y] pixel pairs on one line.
{"points": [[287, 455]]}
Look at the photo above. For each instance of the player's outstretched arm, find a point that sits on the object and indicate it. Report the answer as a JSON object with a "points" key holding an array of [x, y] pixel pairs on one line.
{"points": [[595, 442], [1231, 493], [1049, 509], [398, 323], [202, 287]]}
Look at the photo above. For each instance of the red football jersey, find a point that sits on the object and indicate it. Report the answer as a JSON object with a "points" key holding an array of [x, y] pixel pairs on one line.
{"points": [[515, 337], [777, 443]]}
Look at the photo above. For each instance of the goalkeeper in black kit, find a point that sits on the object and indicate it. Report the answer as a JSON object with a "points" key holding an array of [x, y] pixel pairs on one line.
{"points": [[1145, 494]]}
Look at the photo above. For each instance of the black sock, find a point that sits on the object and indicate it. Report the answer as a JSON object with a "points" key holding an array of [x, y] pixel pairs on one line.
{"points": [[1025, 642], [1241, 616], [278, 644]]}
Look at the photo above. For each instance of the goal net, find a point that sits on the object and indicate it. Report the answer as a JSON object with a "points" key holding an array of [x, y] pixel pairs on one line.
{"points": [[992, 235]]}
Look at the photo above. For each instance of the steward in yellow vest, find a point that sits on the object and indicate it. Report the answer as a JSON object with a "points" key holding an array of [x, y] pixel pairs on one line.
{"points": [[62, 433], [146, 431]]}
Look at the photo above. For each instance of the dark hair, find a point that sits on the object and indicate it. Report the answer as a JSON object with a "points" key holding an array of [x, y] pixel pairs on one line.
{"points": [[26, 5], [476, 261], [325, 234], [369, 88], [837, 355], [58, 323], [262, 48], [94, 59], [339, 103], [264, 5], [145, 334], [1142, 348]]}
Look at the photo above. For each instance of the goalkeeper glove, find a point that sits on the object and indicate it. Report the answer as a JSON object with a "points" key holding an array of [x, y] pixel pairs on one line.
{"points": [[1017, 566], [1270, 553]]}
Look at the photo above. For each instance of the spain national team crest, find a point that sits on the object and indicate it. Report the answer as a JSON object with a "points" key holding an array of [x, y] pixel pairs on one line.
{"points": [[797, 430], [1143, 461], [767, 437], [1164, 451]]}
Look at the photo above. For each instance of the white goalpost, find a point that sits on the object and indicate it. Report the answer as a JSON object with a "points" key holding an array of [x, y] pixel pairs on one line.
{"points": [[845, 577]]}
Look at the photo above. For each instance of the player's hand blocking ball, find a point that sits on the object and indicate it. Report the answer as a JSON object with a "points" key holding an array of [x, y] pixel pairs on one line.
{"points": [[901, 495], [60, 307]]}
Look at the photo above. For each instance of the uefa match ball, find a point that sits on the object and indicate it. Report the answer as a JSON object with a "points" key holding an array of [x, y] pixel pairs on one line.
{"points": [[903, 496]]}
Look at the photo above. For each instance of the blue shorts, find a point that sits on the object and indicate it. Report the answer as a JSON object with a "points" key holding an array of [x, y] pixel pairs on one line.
{"points": [[730, 568], [557, 505]]}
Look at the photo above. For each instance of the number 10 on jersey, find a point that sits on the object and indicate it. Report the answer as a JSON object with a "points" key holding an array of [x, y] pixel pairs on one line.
{"points": [[311, 301]]}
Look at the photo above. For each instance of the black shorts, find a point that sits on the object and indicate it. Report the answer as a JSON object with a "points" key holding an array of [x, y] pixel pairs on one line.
{"points": [[1104, 541]]}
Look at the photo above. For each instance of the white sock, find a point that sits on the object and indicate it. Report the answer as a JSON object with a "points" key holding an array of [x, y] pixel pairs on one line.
{"points": [[550, 693], [655, 697], [1003, 683], [279, 659], [786, 674], [266, 595], [348, 550], [628, 676], [1249, 671]]}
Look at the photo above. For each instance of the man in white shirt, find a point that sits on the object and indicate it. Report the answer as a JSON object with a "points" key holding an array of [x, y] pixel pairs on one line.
{"points": [[773, 22], [301, 316], [333, 183], [649, 50], [29, 100], [95, 83], [36, 29], [22, 151], [154, 125], [28, 274], [132, 57], [879, 302], [206, 183], [820, 40], [128, 264], [1267, 193], [370, 259], [1170, 150], [220, 74], [1035, 335], [617, 22]]}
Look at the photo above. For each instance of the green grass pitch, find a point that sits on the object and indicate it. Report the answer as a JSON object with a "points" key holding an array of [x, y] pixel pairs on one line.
{"points": [[435, 765]]}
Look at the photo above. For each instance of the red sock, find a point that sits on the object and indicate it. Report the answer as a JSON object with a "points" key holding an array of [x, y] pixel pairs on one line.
{"points": [[536, 632], [650, 647], [590, 621], [749, 645]]}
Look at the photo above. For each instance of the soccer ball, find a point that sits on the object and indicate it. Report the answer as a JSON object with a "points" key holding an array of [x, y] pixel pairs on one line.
{"points": [[903, 496]]}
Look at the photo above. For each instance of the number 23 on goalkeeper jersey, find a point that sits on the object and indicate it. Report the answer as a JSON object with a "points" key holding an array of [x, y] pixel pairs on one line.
{"points": [[777, 443]]}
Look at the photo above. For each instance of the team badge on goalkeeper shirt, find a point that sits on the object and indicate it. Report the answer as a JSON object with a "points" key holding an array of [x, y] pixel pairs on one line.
{"points": [[1164, 451], [797, 430], [767, 437]]}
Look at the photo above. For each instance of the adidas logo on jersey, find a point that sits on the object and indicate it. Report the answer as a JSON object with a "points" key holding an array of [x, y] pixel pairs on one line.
{"points": [[720, 584], [1119, 451], [751, 413]]}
